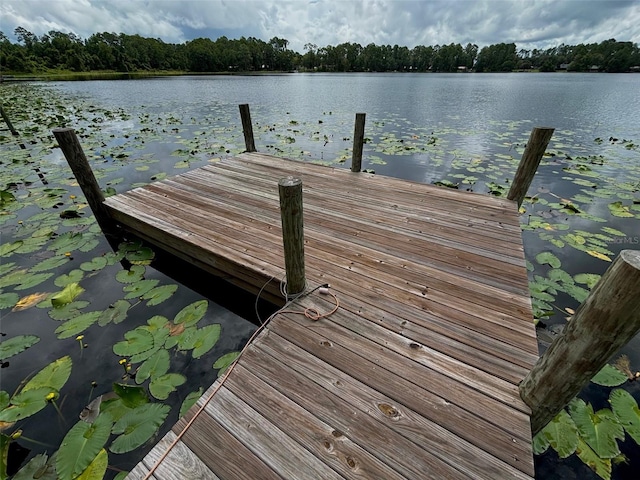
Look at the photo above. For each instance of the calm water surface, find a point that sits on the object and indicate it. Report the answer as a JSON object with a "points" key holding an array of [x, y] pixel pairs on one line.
{"points": [[425, 128]]}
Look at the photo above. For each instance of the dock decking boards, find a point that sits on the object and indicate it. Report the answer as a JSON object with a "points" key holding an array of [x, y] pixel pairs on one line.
{"points": [[414, 376]]}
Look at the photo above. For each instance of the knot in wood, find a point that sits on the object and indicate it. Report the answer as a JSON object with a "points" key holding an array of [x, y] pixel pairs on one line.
{"points": [[351, 462], [388, 410], [414, 346], [326, 343], [337, 433]]}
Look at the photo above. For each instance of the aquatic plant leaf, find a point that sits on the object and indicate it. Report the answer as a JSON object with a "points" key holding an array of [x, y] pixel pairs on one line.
{"points": [[588, 279], [8, 300], [134, 274], [67, 242], [617, 209], [138, 289], [67, 295], [189, 401], [136, 341], [191, 314], [600, 430], [562, 434], [558, 275], [601, 466], [97, 263], [29, 301], [4, 399], [80, 446], [540, 443], [25, 404], [7, 248], [132, 396], [142, 256], [74, 276], [40, 467], [17, 344], [205, 340], [159, 294], [68, 311], [626, 410], [5, 440], [49, 264], [116, 313], [138, 426], [97, 468], [155, 366], [613, 231], [77, 325], [601, 256], [548, 258], [579, 293], [224, 362], [53, 376], [160, 387], [610, 376], [121, 476], [33, 279]]}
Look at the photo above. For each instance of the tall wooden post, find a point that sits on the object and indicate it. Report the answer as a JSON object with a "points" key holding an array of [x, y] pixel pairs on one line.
{"points": [[247, 128], [358, 142], [605, 322], [70, 146], [6, 119], [531, 157], [290, 190]]}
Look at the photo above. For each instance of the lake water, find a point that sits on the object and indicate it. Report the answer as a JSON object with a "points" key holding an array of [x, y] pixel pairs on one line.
{"points": [[465, 130]]}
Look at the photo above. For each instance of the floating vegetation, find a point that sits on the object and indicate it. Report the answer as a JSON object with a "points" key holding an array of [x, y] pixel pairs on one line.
{"points": [[58, 274]]}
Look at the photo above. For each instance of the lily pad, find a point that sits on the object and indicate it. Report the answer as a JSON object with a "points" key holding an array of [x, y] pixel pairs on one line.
{"points": [[131, 395], [224, 362], [17, 344], [97, 263], [626, 410], [601, 466], [40, 467], [67, 295], [77, 325], [116, 313], [133, 275], [142, 256], [561, 433], [160, 387], [74, 276], [49, 263], [192, 314], [140, 288], [97, 468], [548, 258], [159, 294], [155, 366], [189, 401], [610, 376], [81, 445], [53, 376], [8, 300], [136, 341], [25, 404], [600, 430], [138, 426], [68, 311]]}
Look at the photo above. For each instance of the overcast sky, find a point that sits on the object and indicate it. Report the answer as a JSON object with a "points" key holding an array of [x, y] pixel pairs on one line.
{"points": [[528, 23]]}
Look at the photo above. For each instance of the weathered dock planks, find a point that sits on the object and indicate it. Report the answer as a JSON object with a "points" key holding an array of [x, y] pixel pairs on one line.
{"points": [[414, 376]]}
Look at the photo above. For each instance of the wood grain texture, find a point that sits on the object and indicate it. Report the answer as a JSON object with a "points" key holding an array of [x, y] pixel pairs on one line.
{"points": [[414, 376]]}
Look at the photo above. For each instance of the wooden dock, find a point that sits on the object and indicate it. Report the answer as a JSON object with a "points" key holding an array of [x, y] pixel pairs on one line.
{"points": [[414, 376]]}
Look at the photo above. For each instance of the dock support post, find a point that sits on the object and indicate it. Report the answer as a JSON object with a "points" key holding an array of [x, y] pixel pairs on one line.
{"points": [[531, 157], [5, 117], [70, 146], [247, 128], [605, 322], [290, 190], [358, 142]]}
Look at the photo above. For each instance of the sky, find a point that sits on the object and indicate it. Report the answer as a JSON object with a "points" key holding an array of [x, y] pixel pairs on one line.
{"points": [[528, 23]]}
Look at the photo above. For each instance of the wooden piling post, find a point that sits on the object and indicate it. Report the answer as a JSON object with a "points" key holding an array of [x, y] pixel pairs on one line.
{"points": [[70, 146], [5, 117], [247, 128], [290, 190], [358, 142], [606, 321], [531, 157]]}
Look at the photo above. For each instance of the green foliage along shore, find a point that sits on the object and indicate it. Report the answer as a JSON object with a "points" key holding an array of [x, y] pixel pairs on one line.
{"points": [[58, 51]]}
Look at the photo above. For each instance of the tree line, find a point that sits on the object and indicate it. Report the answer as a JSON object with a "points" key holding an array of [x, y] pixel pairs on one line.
{"points": [[127, 53]]}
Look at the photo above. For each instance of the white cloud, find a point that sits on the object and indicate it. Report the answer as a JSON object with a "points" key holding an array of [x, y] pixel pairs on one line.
{"points": [[529, 23]]}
